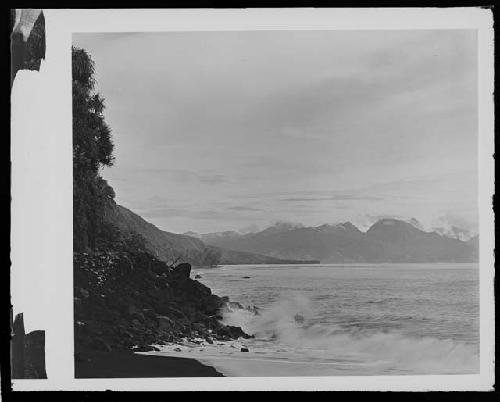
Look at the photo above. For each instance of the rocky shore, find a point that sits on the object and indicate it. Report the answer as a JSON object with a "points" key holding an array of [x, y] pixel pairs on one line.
{"points": [[128, 301]]}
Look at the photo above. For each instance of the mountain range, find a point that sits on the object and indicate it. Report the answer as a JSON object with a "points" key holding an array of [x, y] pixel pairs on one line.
{"points": [[387, 240]]}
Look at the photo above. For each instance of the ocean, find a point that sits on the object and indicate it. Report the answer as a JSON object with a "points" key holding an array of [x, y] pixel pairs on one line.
{"points": [[355, 319]]}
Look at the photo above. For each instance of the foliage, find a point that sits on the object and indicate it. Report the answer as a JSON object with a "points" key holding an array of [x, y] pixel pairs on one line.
{"points": [[92, 150]]}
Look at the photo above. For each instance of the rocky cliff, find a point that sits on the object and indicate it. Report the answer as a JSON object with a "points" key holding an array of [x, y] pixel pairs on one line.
{"points": [[127, 299]]}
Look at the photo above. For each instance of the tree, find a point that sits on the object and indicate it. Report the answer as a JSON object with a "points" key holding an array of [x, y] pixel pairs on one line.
{"points": [[92, 150]]}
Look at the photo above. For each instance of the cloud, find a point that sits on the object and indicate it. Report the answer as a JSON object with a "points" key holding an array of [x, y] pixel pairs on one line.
{"points": [[181, 176], [162, 212], [335, 198], [396, 105], [212, 179], [244, 208], [190, 212]]}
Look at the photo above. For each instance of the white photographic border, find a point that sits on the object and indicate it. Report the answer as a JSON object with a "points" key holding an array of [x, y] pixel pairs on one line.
{"points": [[41, 153]]}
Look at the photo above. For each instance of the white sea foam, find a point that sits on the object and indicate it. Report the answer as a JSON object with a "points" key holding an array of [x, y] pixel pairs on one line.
{"points": [[282, 325]]}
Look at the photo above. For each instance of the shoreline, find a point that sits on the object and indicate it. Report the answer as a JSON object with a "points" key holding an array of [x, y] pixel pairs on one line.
{"points": [[128, 364]]}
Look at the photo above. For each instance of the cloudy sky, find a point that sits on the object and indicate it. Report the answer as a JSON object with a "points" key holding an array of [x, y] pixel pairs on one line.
{"points": [[230, 130]]}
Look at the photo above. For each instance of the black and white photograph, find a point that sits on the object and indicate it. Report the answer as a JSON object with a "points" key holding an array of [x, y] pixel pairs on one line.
{"points": [[277, 203]]}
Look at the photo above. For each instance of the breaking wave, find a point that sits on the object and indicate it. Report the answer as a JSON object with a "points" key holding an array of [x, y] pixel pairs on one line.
{"points": [[290, 323]]}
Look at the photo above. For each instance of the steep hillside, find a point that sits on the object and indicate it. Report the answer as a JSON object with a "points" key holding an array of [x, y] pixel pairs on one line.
{"points": [[163, 245]]}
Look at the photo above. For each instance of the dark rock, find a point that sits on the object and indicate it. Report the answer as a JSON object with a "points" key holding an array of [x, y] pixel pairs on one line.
{"points": [[165, 324], [244, 349], [198, 327], [197, 277], [245, 277], [234, 306], [298, 318], [182, 270], [232, 332]]}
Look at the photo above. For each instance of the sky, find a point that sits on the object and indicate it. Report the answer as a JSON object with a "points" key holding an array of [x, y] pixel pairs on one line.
{"points": [[237, 130]]}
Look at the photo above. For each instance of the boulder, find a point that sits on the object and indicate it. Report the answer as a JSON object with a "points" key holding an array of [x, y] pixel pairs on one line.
{"points": [[230, 331], [182, 270], [298, 318], [164, 323], [244, 349], [198, 327]]}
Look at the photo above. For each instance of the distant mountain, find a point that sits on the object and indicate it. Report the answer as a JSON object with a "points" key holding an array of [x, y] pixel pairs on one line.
{"points": [[388, 240], [213, 237], [474, 243], [399, 241], [169, 247], [455, 232]]}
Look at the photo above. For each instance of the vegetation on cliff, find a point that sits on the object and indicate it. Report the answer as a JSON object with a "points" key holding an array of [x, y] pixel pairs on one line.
{"points": [[92, 150]]}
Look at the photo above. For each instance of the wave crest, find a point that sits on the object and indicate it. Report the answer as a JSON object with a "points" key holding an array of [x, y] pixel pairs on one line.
{"points": [[289, 323]]}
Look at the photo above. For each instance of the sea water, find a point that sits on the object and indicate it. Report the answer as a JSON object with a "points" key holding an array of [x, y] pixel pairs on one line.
{"points": [[356, 319]]}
